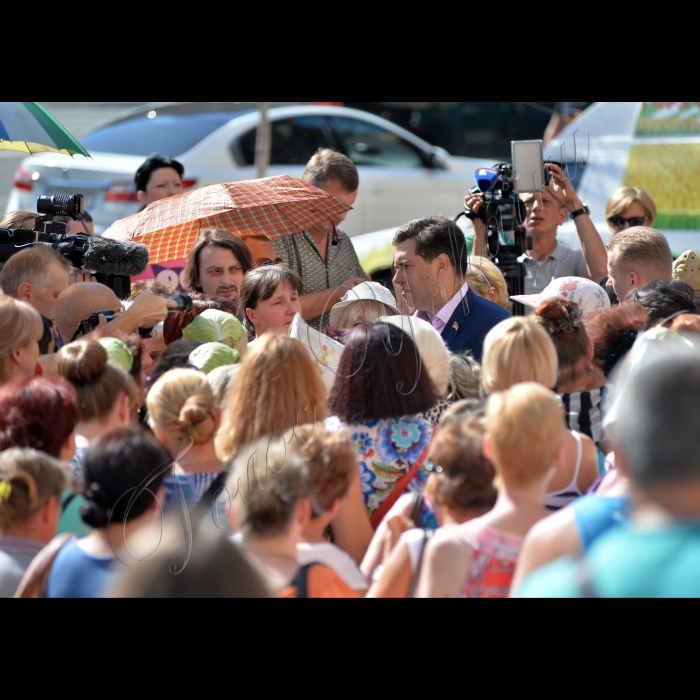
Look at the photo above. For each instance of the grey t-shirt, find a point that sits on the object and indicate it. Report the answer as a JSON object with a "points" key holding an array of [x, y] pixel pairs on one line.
{"points": [[561, 262]]}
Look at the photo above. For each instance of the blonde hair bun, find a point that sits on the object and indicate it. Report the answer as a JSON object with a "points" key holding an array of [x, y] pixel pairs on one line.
{"points": [[182, 404], [198, 418]]}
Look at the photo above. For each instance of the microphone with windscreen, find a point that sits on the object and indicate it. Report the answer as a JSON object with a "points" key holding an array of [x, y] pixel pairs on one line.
{"points": [[112, 262]]}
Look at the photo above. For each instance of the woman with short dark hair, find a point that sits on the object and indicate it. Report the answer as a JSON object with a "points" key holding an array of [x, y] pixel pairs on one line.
{"points": [[380, 389]]}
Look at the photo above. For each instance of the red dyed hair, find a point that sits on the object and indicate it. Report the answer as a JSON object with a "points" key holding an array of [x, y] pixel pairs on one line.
{"points": [[41, 413]]}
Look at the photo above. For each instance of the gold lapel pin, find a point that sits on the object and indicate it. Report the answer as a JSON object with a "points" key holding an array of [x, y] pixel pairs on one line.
{"points": [[455, 326]]}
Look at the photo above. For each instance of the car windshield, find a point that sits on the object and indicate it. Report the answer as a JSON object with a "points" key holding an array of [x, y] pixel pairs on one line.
{"points": [[167, 133]]}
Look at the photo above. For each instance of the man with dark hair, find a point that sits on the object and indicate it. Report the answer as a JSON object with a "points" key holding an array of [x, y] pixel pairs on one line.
{"points": [[430, 261], [328, 268], [657, 553], [73, 226], [158, 177], [216, 264]]}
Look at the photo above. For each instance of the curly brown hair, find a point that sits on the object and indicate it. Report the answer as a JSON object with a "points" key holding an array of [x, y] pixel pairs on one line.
{"points": [[466, 480], [331, 460], [613, 331]]}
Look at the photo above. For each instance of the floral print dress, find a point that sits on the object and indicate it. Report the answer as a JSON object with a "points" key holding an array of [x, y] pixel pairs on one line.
{"points": [[387, 449]]}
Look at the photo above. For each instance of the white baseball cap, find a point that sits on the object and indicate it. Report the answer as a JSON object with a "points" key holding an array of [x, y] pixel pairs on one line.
{"points": [[587, 294], [365, 291]]}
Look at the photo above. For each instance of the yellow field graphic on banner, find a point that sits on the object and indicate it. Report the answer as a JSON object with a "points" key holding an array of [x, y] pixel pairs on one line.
{"points": [[670, 173]]}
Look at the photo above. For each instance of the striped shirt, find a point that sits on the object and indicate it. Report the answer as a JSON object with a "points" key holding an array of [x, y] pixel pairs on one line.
{"points": [[584, 411]]}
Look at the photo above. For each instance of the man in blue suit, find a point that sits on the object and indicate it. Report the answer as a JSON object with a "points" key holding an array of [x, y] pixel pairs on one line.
{"points": [[431, 261]]}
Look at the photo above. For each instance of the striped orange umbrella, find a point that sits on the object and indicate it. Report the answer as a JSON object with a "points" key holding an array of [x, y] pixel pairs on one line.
{"points": [[277, 206]]}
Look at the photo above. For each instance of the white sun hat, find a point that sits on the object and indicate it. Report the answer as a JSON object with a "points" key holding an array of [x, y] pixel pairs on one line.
{"points": [[365, 291], [587, 294]]}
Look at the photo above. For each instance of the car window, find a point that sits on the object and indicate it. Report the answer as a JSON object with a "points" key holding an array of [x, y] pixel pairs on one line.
{"points": [[473, 129], [169, 134], [368, 144], [294, 141]]}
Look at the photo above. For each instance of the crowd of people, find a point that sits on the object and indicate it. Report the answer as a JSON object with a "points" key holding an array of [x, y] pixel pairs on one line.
{"points": [[450, 449]]}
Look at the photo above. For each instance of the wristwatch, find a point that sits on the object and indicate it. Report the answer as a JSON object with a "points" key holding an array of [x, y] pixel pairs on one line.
{"points": [[583, 210]]}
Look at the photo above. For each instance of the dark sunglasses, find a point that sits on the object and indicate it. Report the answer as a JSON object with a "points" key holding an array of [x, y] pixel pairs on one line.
{"points": [[619, 221], [266, 261]]}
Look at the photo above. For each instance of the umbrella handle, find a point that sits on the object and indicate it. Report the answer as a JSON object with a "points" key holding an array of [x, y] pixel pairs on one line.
{"points": [[334, 239]]}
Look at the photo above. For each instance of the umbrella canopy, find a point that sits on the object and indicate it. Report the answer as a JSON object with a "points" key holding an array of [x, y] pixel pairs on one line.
{"points": [[29, 128], [277, 206]]}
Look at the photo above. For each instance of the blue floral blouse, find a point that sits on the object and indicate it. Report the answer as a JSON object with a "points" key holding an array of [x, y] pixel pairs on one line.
{"points": [[387, 448]]}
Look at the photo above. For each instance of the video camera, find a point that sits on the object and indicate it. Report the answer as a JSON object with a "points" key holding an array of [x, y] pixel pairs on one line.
{"points": [[504, 213], [112, 262]]}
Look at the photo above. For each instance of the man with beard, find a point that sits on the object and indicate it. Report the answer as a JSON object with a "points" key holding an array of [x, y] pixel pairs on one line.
{"points": [[216, 264]]}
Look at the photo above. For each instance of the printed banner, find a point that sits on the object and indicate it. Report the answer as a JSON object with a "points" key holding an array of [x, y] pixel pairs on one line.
{"points": [[668, 119]]}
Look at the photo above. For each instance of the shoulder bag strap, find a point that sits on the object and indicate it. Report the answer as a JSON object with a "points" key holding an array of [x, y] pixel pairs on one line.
{"points": [[36, 577], [401, 486], [427, 534], [298, 254]]}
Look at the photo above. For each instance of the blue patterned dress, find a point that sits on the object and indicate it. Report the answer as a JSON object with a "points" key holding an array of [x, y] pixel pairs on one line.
{"points": [[387, 449]]}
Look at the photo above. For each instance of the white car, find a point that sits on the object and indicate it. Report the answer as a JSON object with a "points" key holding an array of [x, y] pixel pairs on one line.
{"points": [[401, 176]]}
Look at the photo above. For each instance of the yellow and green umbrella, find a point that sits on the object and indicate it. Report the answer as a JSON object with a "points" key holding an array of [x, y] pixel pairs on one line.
{"points": [[29, 128]]}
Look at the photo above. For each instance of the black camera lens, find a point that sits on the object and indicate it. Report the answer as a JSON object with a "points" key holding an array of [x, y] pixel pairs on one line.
{"points": [[61, 205]]}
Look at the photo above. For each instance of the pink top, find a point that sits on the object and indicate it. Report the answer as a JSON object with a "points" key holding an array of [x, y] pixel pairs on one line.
{"points": [[492, 562]]}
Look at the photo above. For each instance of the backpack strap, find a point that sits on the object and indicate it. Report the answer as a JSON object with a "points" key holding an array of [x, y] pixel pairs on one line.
{"points": [[300, 581]]}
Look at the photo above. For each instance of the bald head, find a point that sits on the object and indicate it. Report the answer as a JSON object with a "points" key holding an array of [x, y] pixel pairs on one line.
{"points": [[80, 300]]}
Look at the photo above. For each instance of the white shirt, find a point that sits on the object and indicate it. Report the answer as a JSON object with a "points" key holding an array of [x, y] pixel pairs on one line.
{"points": [[335, 558]]}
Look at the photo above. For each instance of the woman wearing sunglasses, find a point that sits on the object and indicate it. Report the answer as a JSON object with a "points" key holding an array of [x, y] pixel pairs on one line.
{"points": [[629, 206]]}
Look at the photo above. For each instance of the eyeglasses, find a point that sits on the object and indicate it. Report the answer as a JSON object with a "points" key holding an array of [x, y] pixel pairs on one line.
{"points": [[618, 222], [266, 261]]}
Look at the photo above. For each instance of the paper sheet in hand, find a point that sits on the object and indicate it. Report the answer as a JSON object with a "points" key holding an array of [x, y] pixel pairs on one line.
{"points": [[325, 352]]}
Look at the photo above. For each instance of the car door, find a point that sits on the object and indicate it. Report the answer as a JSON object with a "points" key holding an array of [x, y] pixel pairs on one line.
{"points": [[398, 180]]}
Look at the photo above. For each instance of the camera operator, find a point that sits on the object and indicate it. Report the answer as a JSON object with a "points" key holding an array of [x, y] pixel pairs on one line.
{"points": [[73, 226], [549, 259], [37, 275], [78, 302]]}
